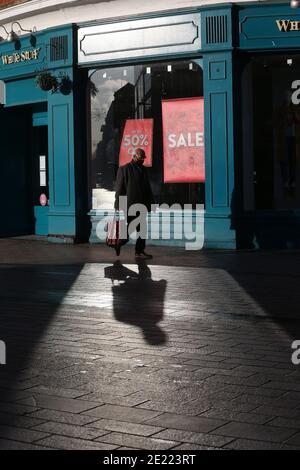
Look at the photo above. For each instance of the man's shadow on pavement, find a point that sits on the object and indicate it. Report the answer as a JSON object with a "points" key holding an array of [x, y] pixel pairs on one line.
{"points": [[138, 299]]}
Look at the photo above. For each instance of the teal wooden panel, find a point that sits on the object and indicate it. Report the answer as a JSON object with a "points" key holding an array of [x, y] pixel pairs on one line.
{"points": [[41, 220], [40, 119], [219, 138], [219, 149], [24, 91], [216, 28], [217, 70], [61, 46], [62, 210], [61, 161]]}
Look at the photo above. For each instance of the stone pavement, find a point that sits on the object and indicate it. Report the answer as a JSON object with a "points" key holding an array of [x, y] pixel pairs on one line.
{"points": [[190, 351]]}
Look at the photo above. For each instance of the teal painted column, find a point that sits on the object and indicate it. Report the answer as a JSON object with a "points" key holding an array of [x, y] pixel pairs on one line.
{"points": [[62, 209], [219, 229], [218, 36], [68, 183]]}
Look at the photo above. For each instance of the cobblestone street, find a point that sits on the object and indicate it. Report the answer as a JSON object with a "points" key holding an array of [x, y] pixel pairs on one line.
{"points": [[189, 351]]}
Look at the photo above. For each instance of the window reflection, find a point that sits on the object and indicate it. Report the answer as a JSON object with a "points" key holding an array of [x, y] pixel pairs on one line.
{"points": [[136, 92], [272, 132]]}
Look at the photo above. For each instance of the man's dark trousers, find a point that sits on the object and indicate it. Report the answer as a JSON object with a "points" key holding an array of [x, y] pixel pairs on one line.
{"points": [[140, 244]]}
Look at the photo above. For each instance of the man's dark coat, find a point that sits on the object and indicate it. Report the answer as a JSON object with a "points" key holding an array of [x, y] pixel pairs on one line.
{"points": [[132, 181]]}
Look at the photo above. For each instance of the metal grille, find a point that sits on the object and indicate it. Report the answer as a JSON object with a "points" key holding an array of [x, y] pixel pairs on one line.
{"points": [[216, 29], [58, 48]]}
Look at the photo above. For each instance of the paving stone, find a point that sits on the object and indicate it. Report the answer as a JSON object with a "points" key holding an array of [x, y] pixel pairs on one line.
{"points": [[57, 403], [257, 432], [68, 443], [193, 437], [252, 381], [295, 440], [285, 423], [186, 446], [81, 432], [274, 411], [6, 444], [19, 421], [246, 444], [284, 386], [250, 418], [188, 423], [258, 391], [60, 392], [130, 400], [16, 408], [13, 396], [62, 417], [183, 408], [232, 405], [122, 413], [125, 427], [128, 448], [21, 434], [262, 400], [139, 442]]}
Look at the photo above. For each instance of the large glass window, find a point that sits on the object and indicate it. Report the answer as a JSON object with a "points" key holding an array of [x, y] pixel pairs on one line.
{"points": [[271, 133], [120, 95]]}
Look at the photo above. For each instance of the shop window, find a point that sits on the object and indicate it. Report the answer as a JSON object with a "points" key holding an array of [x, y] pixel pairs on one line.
{"points": [[272, 132], [127, 111]]}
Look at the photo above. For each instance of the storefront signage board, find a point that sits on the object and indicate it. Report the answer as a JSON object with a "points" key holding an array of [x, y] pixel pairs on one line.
{"points": [[269, 27], [23, 56]]}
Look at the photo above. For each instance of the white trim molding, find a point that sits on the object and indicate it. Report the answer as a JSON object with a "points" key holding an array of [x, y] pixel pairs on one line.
{"points": [[50, 13]]}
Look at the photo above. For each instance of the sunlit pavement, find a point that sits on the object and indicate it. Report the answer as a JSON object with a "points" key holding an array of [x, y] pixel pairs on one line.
{"points": [[189, 351]]}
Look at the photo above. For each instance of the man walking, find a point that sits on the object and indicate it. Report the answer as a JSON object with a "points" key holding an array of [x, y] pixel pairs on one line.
{"points": [[132, 181]]}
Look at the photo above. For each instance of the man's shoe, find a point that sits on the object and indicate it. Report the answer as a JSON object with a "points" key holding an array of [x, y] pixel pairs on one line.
{"points": [[143, 255]]}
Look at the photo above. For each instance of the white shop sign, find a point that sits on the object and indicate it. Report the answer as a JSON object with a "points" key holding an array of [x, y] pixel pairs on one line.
{"points": [[139, 38]]}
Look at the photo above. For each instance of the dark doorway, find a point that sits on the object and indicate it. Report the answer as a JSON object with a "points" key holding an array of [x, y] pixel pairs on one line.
{"points": [[276, 126], [16, 208]]}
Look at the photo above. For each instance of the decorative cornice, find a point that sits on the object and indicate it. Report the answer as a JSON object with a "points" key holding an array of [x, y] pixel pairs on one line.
{"points": [[37, 7], [33, 7]]}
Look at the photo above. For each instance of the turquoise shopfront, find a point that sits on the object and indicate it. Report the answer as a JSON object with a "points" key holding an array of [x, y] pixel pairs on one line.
{"points": [[41, 191], [134, 66], [60, 148]]}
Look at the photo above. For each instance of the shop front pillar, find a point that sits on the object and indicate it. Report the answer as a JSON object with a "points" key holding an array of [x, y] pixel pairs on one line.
{"points": [[66, 193], [219, 231], [62, 213]]}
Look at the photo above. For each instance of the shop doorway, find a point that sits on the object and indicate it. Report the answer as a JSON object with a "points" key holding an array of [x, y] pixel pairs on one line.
{"points": [[271, 133], [16, 209], [23, 174]]}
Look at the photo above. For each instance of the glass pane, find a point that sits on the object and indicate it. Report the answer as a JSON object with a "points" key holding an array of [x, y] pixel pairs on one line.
{"points": [[42, 162], [43, 178], [136, 93]]}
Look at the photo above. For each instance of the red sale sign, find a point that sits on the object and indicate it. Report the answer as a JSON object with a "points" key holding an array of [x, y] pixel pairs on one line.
{"points": [[183, 140], [138, 133]]}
